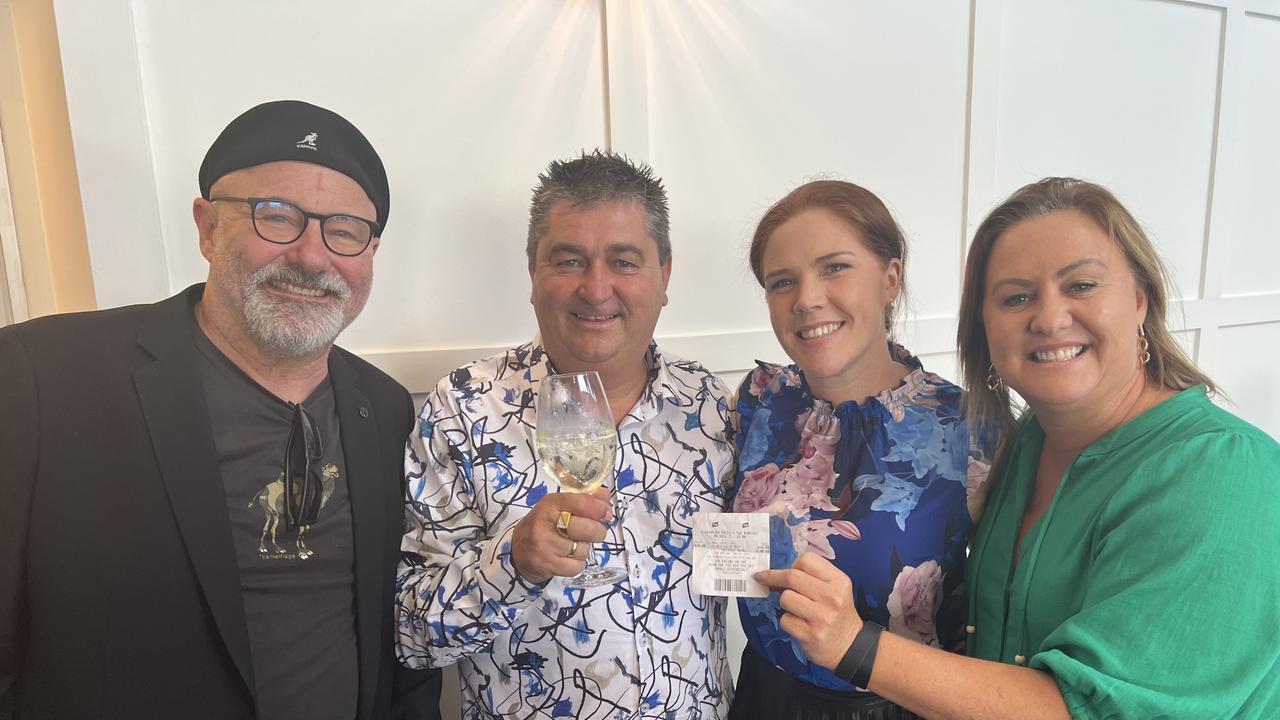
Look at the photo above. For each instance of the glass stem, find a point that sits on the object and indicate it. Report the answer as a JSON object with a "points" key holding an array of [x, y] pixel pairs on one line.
{"points": [[592, 563]]}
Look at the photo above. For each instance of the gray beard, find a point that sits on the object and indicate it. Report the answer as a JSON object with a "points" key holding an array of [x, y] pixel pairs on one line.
{"points": [[292, 329]]}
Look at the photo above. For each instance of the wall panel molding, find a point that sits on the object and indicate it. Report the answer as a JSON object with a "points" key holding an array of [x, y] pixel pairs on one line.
{"points": [[733, 352], [114, 150], [733, 102], [724, 353]]}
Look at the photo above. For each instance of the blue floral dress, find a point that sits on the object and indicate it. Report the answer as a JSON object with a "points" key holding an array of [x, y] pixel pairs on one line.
{"points": [[881, 489]]}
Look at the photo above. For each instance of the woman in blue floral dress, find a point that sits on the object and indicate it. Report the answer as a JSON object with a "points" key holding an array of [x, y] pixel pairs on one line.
{"points": [[858, 454]]}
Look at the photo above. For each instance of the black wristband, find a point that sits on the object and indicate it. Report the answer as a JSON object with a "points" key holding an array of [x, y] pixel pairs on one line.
{"points": [[855, 666]]}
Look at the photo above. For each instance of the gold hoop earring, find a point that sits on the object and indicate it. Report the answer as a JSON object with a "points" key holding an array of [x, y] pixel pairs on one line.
{"points": [[994, 381], [1144, 346]]}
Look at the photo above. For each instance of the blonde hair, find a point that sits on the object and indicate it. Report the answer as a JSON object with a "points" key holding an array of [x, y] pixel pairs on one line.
{"points": [[990, 409]]}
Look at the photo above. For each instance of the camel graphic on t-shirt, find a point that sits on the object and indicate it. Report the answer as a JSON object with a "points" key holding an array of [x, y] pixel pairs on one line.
{"points": [[271, 500]]}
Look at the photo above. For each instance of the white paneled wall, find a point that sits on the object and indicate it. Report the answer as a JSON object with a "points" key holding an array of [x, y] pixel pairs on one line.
{"points": [[1128, 102], [1250, 251], [941, 107]]}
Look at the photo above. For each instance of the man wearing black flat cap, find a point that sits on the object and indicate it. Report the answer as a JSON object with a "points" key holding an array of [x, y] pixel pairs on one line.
{"points": [[201, 499]]}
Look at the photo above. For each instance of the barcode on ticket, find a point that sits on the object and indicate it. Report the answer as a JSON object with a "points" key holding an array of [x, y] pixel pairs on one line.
{"points": [[730, 585]]}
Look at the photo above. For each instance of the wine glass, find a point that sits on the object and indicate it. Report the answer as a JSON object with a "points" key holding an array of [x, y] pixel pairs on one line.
{"points": [[576, 443]]}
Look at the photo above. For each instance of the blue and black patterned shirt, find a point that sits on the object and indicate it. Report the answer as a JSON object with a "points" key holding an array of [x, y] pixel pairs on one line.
{"points": [[886, 490], [645, 647]]}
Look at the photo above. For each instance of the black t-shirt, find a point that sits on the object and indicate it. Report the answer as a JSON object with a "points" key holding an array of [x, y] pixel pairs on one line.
{"points": [[298, 586]]}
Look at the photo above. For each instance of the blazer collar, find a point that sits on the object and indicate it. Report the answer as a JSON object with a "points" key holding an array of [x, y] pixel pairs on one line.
{"points": [[171, 394], [358, 425]]}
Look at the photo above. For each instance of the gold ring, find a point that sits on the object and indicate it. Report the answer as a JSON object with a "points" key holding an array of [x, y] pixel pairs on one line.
{"points": [[562, 522], [573, 549]]}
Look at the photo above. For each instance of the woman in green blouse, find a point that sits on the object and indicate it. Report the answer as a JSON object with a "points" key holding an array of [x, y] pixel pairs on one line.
{"points": [[1126, 565]]}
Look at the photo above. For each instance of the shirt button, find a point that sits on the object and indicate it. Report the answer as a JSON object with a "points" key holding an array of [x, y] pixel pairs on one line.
{"points": [[970, 629], [1019, 659], [364, 412]]}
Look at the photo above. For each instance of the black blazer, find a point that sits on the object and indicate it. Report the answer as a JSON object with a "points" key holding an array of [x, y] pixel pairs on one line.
{"points": [[119, 589]]}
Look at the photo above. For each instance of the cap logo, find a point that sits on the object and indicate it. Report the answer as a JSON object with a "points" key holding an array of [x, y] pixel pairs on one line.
{"points": [[308, 141]]}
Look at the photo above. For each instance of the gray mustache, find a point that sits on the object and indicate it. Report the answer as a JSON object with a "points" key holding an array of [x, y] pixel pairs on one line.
{"points": [[296, 276]]}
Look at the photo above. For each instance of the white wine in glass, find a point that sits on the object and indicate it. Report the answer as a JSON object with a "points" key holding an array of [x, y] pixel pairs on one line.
{"points": [[577, 443], [579, 463]]}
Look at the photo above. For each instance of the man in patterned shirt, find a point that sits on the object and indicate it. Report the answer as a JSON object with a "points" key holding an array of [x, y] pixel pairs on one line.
{"points": [[481, 580]]}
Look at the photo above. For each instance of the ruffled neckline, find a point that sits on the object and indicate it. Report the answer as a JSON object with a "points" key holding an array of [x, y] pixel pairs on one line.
{"points": [[890, 400]]}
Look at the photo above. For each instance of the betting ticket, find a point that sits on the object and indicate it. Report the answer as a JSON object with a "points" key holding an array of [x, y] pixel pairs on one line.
{"points": [[728, 549]]}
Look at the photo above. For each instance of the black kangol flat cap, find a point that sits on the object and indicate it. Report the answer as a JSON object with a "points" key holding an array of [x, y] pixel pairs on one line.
{"points": [[295, 130]]}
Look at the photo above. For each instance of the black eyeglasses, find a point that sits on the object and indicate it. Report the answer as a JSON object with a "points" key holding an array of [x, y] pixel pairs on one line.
{"points": [[302, 490], [283, 222]]}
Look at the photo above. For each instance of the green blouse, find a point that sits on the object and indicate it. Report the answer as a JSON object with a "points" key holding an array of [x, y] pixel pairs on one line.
{"points": [[1151, 585]]}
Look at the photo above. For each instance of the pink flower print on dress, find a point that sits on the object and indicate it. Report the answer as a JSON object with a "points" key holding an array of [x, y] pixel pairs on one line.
{"points": [[976, 488], [806, 484], [759, 488], [815, 536], [759, 381], [819, 430], [913, 603], [976, 476], [894, 400], [895, 408]]}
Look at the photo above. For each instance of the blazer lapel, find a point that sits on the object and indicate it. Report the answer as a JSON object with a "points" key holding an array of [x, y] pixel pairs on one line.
{"points": [[171, 394], [360, 446]]}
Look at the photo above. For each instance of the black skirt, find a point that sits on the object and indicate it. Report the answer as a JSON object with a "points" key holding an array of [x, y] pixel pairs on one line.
{"points": [[765, 692]]}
